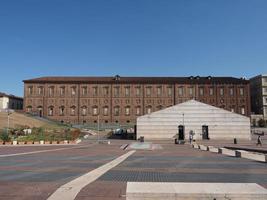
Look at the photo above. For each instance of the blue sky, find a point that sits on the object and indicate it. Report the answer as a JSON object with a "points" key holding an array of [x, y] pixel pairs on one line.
{"points": [[130, 38]]}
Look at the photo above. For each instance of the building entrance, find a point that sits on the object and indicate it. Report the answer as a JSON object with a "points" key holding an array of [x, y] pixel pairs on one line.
{"points": [[205, 132], [181, 132]]}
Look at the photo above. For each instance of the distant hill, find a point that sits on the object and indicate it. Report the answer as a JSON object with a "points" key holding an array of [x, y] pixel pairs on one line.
{"points": [[19, 119]]}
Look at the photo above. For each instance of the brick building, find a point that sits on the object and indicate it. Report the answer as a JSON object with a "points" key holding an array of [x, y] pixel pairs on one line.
{"points": [[122, 99]]}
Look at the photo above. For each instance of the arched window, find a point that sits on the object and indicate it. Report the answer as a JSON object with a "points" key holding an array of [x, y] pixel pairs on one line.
{"points": [[61, 110], [50, 110], [29, 109], [105, 110], [95, 110], [116, 110], [40, 111], [138, 110], [72, 110], [159, 107], [148, 109], [127, 110], [84, 110]]}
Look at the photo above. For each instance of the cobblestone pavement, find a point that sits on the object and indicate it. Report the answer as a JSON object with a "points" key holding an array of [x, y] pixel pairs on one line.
{"points": [[36, 176], [174, 163]]}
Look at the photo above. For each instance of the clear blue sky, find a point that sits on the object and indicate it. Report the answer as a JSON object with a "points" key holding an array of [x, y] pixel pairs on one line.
{"points": [[130, 38]]}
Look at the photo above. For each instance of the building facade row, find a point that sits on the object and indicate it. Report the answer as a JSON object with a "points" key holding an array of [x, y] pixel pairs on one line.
{"points": [[121, 100]]}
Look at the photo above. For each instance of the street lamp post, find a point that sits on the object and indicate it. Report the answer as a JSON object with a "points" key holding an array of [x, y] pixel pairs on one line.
{"points": [[9, 112], [183, 119], [97, 128]]}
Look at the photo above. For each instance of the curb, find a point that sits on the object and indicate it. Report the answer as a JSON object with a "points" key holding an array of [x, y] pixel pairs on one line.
{"points": [[233, 153]]}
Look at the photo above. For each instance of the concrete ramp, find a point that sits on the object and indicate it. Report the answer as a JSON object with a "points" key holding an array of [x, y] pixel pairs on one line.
{"points": [[194, 191]]}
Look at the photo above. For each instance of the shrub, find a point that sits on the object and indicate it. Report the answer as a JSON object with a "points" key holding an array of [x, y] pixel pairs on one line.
{"points": [[5, 136], [75, 134]]}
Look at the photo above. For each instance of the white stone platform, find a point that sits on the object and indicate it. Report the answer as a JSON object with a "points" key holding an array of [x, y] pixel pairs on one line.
{"points": [[194, 191]]}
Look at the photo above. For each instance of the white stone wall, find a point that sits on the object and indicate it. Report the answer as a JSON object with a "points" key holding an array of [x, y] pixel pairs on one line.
{"points": [[222, 124]]}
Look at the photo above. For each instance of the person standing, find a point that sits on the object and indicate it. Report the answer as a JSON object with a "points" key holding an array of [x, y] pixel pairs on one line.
{"points": [[259, 141], [190, 138]]}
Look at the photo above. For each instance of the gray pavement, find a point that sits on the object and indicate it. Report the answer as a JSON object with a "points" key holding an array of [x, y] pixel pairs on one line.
{"points": [[37, 176]]}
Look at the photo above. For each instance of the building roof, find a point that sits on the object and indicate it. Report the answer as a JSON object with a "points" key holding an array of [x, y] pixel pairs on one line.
{"points": [[149, 80], [2, 94], [193, 105]]}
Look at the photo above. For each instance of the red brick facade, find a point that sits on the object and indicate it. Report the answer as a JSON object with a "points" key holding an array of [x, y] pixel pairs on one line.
{"points": [[122, 99]]}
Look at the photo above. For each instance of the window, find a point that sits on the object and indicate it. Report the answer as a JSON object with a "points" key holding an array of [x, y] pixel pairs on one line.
{"points": [[51, 91], [105, 110], [127, 91], [95, 110], [95, 91], [62, 91], [84, 110], [231, 91], [148, 109], [40, 90], [105, 91], [169, 91], [180, 91], [241, 91], [221, 91], [61, 110], [116, 91], [127, 110], [117, 111], [73, 91], [191, 91], [84, 90], [201, 91], [138, 110], [29, 109], [30, 90], [51, 111], [232, 109], [148, 91], [138, 91], [72, 110], [211, 91], [242, 110], [159, 91], [159, 107]]}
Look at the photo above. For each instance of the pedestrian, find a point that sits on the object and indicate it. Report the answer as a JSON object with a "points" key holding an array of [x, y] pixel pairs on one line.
{"points": [[259, 141], [190, 138]]}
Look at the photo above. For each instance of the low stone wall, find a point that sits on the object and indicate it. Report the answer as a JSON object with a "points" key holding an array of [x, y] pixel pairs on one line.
{"points": [[203, 148], [16, 143], [213, 149], [234, 153], [253, 156]]}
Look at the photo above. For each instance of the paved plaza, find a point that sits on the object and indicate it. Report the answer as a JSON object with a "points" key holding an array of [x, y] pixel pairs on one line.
{"points": [[38, 175]]}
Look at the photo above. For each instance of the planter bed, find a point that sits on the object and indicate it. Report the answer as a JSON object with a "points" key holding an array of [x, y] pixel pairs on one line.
{"points": [[21, 143]]}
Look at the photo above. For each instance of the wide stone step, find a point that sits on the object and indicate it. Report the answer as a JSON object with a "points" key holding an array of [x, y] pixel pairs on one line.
{"points": [[194, 191]]}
